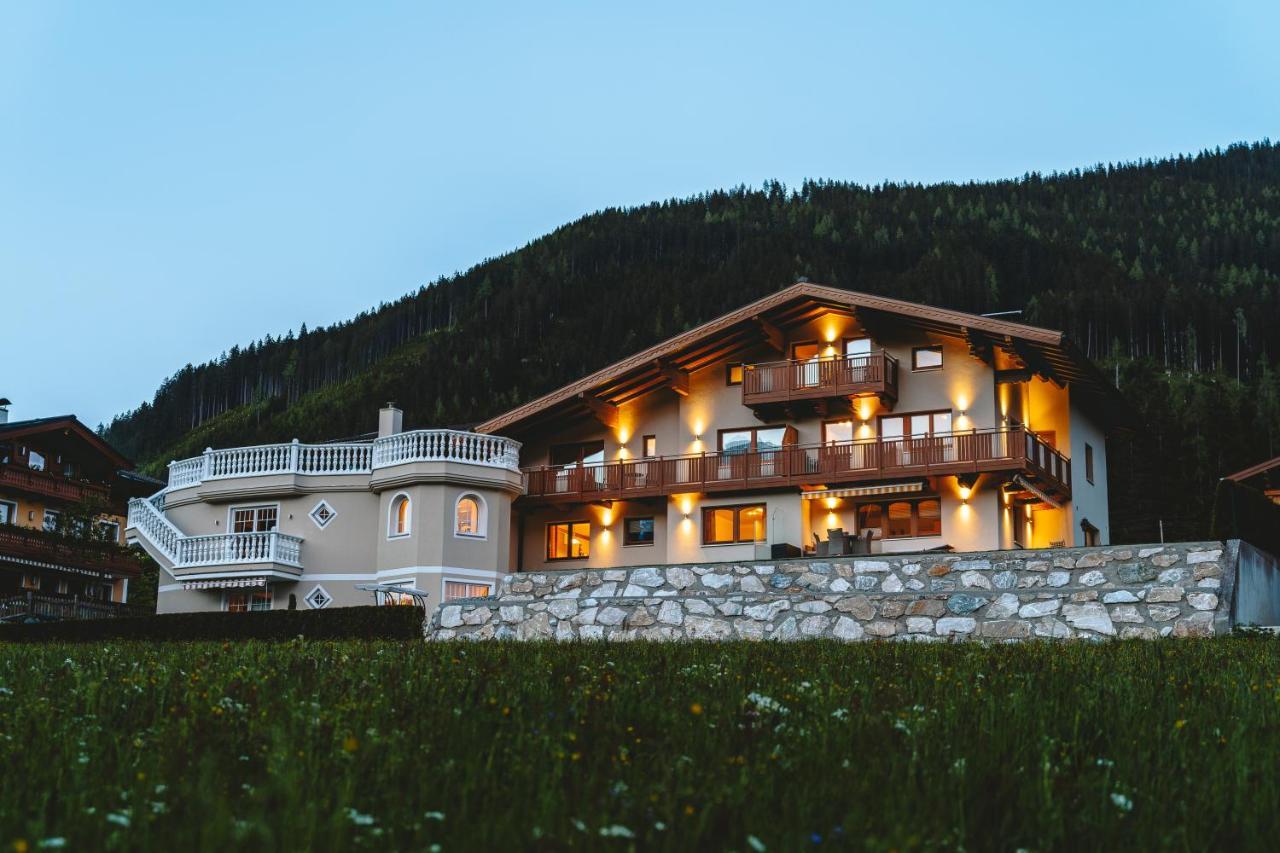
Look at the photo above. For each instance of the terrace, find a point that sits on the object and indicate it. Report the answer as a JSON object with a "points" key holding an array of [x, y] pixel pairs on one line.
{"points": [[1013, 450], [821, 379]]}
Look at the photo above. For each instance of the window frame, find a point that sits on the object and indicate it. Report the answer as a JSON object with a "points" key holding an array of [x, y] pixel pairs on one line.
{"points": [[253, 593], [915, 360], [44, 520], [728, 373], [844, 346], [12, 517], [906, 422], [884, 505], [570, 524], [1088, 463], [626, 533], [481, 519], [444, 588], [393, 516], [737, 524], [645, 442], [755, 435], [234, 508]]}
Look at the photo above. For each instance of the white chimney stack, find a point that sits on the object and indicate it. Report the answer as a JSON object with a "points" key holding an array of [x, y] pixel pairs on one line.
{"points": [[4, 410], [390, 420]]}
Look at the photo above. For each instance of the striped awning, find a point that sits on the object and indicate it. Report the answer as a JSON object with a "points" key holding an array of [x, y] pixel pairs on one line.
{"points": [[865, 491], [225, 583], [1030, 487]]}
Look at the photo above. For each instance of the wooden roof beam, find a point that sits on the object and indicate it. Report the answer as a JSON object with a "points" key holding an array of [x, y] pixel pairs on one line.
{"points": [[677, 379], [981, 347], [772, 334], [1036, 362], [605, 413]]}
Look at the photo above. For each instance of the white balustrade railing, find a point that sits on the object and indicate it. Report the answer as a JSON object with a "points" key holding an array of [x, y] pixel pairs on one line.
{"points": [[217, 550], [357, 457]]}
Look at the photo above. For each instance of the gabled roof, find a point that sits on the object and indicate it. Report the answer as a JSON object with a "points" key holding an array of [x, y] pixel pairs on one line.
{"points": [[1254, 470], [1043, 351], [63, 424]]}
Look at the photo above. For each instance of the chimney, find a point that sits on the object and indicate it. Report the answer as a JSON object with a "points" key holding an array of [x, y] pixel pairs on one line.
{"points": [[4, 410], [390, 420]]}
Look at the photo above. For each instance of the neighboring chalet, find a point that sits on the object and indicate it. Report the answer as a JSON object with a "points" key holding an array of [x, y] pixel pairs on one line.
{"points": [[54, 470], [1265, 476], [812, 421]]}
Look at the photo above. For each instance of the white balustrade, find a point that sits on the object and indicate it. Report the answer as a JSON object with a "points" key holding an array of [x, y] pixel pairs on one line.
{"points": [[355, 457], [217, 550]]}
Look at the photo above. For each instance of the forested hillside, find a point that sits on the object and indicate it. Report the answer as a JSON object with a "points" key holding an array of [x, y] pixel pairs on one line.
{"points": [[1167, 272]]}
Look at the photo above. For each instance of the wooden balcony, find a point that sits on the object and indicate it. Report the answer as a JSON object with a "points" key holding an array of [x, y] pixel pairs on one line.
{"points": [[49, 485], [782, 383], [101, 557], [1014, 450], [43, 607]]}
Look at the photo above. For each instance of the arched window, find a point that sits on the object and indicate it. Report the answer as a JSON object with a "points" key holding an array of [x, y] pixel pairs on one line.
{"points": [[469, 517], [398, 519]]}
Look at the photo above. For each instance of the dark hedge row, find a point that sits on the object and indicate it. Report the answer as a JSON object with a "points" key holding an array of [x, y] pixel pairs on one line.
{"points": [[338, 623]]}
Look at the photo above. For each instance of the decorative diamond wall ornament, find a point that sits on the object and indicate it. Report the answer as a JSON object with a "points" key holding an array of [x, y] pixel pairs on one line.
{"points": [[322, 514], [318, 598]]}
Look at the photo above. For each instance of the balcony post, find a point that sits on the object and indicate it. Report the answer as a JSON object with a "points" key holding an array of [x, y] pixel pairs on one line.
{"points": [[294, 451], [206, 468]]}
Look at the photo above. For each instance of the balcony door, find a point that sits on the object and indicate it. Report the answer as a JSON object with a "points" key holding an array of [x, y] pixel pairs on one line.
{"points": [[808, 358], [578, 465], [917, 439], [252, 519], [753, 452]]}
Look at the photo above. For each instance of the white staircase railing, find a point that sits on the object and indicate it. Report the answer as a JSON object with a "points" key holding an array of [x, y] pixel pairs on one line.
{"points": [[225, 549], [359, 457]]}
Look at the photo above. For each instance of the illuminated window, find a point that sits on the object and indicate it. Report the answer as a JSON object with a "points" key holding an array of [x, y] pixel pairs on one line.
{"points": [[399, 519], [723, 525], [453, 590], [469, 516], [247, 600], [649, 446], [637, 531], [569, 540], [901, 519], [926, 358], [733, 374], [929, 518]]}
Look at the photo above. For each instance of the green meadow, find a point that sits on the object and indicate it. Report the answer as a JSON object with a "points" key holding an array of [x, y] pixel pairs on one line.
{"points": [[410, 746]]}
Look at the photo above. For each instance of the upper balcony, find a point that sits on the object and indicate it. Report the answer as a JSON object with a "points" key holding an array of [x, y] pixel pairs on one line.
{"points": [[39, 546], [783, 383], [387, 458], [1014, 451], [50, 485]]}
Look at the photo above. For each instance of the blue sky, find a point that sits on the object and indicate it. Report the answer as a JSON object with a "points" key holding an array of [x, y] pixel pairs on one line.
{"points": [[177, 180]]}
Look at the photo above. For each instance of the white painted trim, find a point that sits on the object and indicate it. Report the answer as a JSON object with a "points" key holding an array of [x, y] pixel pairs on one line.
{"points": [[469, 581], [482, 517], [231, 514], [311, 514], [392, 512], [403, 573], [306, 599]]}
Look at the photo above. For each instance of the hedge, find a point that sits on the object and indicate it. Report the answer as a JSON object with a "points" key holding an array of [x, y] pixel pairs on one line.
{"points": [[400, 622]]}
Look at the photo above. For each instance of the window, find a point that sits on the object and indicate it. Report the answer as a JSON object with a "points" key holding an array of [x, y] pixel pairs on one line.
{"points": [[752, 439], [649, 446], [733, 374], [6, 453], [321, 514], [398, 517], [1092, 535], [917, 425], [109, 530], [244, 601], [857, 346], [469, 517], [837, 431], [724, 525], [8, 512], [901, 519], [578, 453], [30, 581], [254, 519], [637, 531], [569, 540], [926, 358], [35, 461], [98, 591], [1088, 462], [64, 588], [318, 598], [51, 517], [454, 590]]}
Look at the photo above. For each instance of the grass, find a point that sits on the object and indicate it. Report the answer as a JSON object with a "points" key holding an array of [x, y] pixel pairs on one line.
{"points": [[350, 745]]}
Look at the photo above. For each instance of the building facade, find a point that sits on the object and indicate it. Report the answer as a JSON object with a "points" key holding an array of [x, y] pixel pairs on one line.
{"points": [[63, 496], [813, 421]]}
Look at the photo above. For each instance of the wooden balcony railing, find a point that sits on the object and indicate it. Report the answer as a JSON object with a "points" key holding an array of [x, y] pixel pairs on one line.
{"points": [[46, 607], [39, 545], [49, 484], [839, 376], [977, 451]]}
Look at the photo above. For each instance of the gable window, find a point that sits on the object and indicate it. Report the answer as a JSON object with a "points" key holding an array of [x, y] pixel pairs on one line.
{"points": [[578, 453], [244, 601], [568, 540], [725, 525], [254, 519], [901, 519], [469, 517], [453, 590], [398, 516], [857, 346], [926, 358], [637, 531], [1088, 462], [649, 446], [733, 374], [35, 460]]}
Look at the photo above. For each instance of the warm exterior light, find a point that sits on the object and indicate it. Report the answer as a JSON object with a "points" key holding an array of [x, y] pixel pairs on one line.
{"points": [[607, 517], [829, 352], [833, 520], [686, 506], [965, 491], [832, 503]]}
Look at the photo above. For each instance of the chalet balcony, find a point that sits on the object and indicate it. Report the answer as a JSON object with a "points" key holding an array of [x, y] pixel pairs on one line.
{"points": [[42, 607], [49, 485], [839, 378], [27, 544], [1014, 450]]}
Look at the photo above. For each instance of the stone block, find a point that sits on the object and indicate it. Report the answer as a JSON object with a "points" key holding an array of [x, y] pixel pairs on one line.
{"points": [[1005, 629], [1164, 594], [1089, 617], [926, 607], [954, 625]]}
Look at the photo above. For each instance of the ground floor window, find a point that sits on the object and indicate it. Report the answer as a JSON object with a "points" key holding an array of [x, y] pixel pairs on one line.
{"points": [[901, 519], [243, 601], [722, 525], [461, 589], [637, 531], [568, 540]]}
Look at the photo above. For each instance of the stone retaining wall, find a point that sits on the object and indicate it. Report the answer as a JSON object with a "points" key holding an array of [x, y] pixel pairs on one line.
{"points": [[1143, 591]]}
